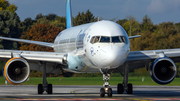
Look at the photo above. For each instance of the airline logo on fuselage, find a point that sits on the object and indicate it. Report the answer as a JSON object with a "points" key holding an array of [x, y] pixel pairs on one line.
{"points": [[88, 38], [92, 51]]}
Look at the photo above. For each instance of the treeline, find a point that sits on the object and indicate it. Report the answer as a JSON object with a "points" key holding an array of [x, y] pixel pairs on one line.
{"points": [[45, 28]]}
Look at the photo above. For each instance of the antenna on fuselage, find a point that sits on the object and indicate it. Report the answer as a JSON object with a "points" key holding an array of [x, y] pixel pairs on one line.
{"points": [[69, 21], [98, 19]]}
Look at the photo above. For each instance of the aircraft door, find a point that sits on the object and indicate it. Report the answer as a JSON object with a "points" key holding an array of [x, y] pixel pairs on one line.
{"points": [[86, 39], [80, 39]]}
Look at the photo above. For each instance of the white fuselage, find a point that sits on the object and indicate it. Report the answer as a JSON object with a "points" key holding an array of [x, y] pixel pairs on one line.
{"points": [[92, 46]]}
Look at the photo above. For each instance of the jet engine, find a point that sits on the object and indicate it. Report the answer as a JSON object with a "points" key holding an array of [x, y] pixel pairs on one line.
{"points": [[16, 71], [163, 70]]}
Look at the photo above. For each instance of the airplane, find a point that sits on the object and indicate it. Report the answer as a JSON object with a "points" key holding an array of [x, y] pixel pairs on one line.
{"points": [[101, 46]]}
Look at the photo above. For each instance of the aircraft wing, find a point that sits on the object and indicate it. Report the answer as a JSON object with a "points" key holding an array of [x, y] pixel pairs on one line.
{"points": [[140, 59], [32, 55], [46, 44], [153, 54], [19, 63]]}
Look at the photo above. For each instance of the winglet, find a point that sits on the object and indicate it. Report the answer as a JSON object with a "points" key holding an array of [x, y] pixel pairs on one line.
{"points": [[69, 22], [136, 36]]}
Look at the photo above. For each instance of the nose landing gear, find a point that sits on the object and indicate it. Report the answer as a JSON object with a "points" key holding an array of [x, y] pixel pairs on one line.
{"points": [[106, 86], [125, 86]]}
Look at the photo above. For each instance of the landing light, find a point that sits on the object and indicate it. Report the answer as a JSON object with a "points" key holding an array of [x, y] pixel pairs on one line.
{"points": [[106, 89], [65, 59]]}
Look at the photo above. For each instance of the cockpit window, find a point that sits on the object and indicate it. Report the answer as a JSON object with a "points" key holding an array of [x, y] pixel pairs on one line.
{"points": [[123, 39], [96, 39], [105, 39], [92, 39], [116, 39]]}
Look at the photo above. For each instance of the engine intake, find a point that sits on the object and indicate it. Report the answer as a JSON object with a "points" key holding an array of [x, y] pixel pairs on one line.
{"points": [[16, 71], [163, 70]]}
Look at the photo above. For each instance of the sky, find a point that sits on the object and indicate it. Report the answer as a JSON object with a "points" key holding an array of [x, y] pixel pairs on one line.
{"points": [[158, 10]]}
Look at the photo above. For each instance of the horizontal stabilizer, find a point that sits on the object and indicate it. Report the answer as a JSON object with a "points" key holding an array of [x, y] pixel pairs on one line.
{"points": [[46, 44]]}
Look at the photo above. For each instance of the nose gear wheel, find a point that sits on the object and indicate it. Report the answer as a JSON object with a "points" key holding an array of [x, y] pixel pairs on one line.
{"points": [[106, 86]]}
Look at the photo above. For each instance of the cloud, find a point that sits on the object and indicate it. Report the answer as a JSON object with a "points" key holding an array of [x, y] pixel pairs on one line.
{"points": [[162, 6]]}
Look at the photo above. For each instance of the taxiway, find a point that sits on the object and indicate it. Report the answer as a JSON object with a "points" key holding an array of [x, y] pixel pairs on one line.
{"points": [[140, 93]]}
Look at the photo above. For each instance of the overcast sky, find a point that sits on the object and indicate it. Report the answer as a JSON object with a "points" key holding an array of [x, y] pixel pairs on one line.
{"points": [[158, 10]]}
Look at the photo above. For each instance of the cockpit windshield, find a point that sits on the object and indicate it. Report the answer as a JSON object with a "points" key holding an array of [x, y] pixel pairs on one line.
{"points": [[97, 39], [107, 39], [116, 39]]}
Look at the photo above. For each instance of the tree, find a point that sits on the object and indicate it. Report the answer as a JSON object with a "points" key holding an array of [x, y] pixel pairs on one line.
{"points": [[178, 27], [166, 28], [83, 18], [38, 16], [146, 23], [44, 19], [9, 27], [27, 23], [131, 27], [39, 32], [59, 22], [121, 22], [51, 17], [5, 5], [131, 19]]}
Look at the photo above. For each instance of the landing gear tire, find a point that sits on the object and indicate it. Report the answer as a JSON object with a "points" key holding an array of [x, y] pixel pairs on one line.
{"points": [[110, 92], [102, 92], [120, 89], [40, 88], [45, 86], [49, 89], [130, 88]]}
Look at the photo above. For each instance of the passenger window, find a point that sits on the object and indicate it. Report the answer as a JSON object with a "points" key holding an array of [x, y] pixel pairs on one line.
{"points": [[92, 40], [105, 39], [116, 39], [96, 39]]}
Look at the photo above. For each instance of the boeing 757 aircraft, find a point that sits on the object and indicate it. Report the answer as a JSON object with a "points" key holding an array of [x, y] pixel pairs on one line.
{"points": [[101, 46]]}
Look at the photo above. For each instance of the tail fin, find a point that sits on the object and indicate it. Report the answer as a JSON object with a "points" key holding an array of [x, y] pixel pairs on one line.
{"points": [[69, 22]]}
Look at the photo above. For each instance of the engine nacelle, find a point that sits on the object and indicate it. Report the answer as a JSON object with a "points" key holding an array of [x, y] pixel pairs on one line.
{"points": [[163, 70], [16, 71]]}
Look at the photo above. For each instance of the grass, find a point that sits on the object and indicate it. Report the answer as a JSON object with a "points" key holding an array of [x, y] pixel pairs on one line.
{"points": [[91, 81]]}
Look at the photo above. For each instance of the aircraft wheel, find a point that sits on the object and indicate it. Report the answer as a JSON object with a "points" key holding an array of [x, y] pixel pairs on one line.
{"points": [[110, 92], [49, 89], [130, 89], [120, 88], [102, 92], [40, 88]]}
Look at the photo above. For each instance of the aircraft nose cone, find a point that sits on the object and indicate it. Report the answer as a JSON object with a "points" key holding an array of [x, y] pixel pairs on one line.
{"points": [[110, 55]]}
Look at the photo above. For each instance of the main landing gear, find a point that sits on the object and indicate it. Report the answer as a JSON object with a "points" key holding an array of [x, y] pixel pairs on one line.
{"points": [[45, 86], [125, 86], [121, 88]]}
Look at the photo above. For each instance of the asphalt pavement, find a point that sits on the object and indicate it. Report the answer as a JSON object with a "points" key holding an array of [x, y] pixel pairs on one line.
{"points": [[83, 93]]}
